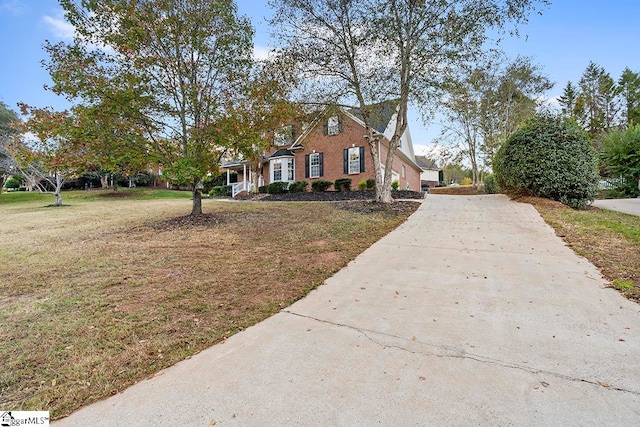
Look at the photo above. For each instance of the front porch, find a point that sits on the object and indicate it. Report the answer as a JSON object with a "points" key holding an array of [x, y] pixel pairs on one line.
{"points": [[245, 180]]}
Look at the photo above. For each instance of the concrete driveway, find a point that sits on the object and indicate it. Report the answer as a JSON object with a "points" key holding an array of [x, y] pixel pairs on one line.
{"points": [[471, 313], [628, 206]]}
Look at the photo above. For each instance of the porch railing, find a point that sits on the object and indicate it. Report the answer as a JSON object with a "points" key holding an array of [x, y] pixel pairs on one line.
{"points": [[238, 187]]}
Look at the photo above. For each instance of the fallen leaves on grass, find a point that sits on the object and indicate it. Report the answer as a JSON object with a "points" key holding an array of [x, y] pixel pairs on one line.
{"points": [[95, 301]]}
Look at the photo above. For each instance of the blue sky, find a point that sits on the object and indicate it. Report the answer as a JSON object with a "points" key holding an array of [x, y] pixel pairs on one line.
{"points": [[562, 40]]}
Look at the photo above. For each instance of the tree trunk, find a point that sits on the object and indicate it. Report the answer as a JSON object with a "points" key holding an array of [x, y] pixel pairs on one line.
{"points": [[255, 169], [104, 181], [196, 208], [58, 197]]}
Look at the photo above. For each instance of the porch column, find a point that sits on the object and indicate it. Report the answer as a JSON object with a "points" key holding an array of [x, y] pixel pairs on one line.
{"points": [[228, 177], [244, 175]]}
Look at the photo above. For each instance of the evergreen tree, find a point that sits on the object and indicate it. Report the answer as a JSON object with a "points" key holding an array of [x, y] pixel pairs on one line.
{"points": [[598, 105], [568, 100], [629, 83]]}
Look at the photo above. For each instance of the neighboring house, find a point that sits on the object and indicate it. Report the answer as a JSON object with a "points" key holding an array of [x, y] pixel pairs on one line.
{"points": [[331, 146], [431, 173]]}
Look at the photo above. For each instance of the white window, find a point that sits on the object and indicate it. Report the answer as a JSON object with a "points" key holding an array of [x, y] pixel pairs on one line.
{"points": [[354, 160], [290, 171], [404, 172], [333, 125], [282, 170], [277, 170], [314, 165]]}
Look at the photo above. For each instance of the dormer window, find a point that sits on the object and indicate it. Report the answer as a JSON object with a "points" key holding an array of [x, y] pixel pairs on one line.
{"points": [[283, 136], [333, 126]]}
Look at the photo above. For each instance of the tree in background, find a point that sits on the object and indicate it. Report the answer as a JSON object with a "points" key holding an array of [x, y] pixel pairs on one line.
{"points": [[155, 73], [485, 104], [629, 83], [364, 52], [51, 156], [465, 112], [568, 100], [597, 107], [7, 162], [514, 98], [620, 155]]}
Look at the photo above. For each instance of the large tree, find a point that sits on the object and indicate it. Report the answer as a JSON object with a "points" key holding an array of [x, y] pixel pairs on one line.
{"points": [[629, 83], [7, 162], [485, 104], [513, 96], [362, 52], [45, 152], [154, 75], [598, 105]]}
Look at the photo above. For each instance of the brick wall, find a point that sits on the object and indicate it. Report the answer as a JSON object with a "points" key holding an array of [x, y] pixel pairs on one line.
{"points": [[332, 146]]}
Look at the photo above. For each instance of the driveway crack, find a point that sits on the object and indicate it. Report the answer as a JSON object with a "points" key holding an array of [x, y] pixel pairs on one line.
{"points": [[449, 352]]}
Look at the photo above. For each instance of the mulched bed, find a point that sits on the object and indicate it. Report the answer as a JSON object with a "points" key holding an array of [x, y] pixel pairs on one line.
{"points": [[333, 196]]}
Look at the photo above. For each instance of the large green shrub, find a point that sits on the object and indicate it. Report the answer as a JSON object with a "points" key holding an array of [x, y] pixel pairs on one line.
{"points": [[549, 157], [620, 157]]}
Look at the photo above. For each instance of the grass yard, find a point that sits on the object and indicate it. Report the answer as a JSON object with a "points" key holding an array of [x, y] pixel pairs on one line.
{"points": [[111, 288], [610, 240]]}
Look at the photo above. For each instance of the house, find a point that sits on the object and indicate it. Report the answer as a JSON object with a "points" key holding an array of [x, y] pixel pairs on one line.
{"points": [[330, 146], [431, 174]]}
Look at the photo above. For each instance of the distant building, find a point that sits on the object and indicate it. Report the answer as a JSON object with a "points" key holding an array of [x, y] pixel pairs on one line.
{"points": [[431, 174]]}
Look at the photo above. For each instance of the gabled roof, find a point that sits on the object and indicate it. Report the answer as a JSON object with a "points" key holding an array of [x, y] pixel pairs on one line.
{"points": [[381, 114], [426, 163], [282, 153]]}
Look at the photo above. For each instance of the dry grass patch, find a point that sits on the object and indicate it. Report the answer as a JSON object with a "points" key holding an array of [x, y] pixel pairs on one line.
{"points": [[610, 240], [100, 294]]}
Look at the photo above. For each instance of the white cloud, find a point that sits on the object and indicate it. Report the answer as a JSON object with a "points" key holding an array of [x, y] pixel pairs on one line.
{"points": [[14, 7], [59, 27], [260, 53]]}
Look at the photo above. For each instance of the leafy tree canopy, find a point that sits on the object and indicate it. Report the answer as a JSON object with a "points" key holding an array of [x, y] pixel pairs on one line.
{"points": [[150, 76]]}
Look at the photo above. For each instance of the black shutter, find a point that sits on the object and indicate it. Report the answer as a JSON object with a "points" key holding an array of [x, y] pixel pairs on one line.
{"points": [[306, 166], [361, 159], [339, 124], [325, 127], [345, 160], [321, 159]]}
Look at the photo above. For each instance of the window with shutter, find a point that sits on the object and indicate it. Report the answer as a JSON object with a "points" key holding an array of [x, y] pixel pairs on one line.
{"points": [[354, 160]]}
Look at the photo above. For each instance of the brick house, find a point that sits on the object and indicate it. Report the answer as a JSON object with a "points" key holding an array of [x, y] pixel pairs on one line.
{"points": [[331, 146]]}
